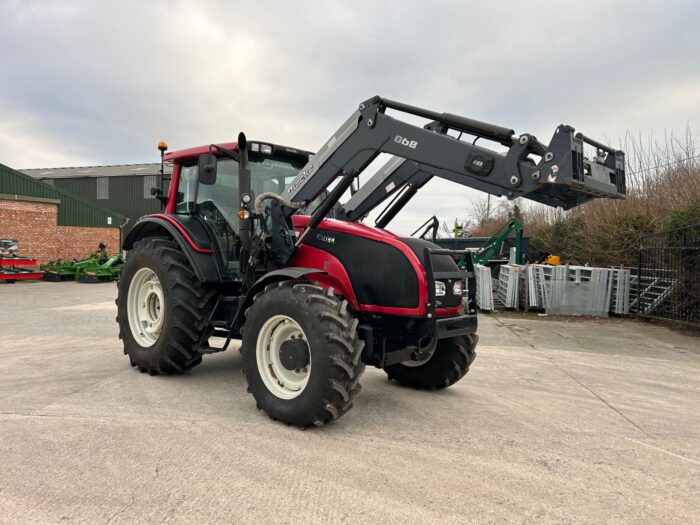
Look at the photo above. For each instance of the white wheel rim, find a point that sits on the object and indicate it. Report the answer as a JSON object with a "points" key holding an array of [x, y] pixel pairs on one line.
{"points": [[145, 307], [283, 383]]}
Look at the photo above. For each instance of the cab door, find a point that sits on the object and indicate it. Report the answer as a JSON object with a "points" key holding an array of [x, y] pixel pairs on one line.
{"points": [[217, 205]]}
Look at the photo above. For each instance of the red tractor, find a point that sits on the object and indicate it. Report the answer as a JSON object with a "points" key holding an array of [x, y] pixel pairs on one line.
{"points": [[255, 245]]}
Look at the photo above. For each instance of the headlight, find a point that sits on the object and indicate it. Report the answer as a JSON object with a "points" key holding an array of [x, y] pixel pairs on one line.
{"points": [[439, 289], [458, 288]]}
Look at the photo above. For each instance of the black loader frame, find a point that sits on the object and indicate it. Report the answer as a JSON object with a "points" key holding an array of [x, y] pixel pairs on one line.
{"points": [[563, 177]]}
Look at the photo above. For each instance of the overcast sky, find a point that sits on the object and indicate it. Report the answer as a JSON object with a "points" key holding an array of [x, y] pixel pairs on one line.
{"points": [[89, 83]]}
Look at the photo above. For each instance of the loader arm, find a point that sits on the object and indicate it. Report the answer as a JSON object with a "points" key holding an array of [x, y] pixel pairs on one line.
{"points": [[402, 179], [562, 177]]}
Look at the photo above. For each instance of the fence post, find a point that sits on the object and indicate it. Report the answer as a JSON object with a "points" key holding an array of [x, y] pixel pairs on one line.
{"points": [[527, 288], [639, 278]]}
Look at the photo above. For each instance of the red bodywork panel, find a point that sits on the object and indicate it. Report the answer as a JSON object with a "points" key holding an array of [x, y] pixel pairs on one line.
{"points": [[337, 277], [335, 274]]}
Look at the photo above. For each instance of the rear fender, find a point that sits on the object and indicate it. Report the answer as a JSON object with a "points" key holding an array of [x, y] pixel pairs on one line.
{"points": [[193, 238]]}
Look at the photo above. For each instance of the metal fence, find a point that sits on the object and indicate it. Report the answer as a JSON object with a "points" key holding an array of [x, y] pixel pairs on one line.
{"points": [[667, 284]]}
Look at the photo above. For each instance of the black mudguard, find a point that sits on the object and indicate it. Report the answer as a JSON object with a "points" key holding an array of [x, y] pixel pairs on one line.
{"points": [[190, 234], [283, 274]]}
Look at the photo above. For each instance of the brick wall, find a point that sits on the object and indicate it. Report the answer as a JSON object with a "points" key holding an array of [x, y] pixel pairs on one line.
{"points": [[34, 225]]}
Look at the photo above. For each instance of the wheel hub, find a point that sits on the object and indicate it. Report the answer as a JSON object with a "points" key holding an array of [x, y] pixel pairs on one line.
{"points": [[283, 357], [145, 306], [294, 354]]}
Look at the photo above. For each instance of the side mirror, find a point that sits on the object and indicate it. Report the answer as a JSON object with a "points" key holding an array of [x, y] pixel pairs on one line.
{"points": [[206, 167], [158, 194]]}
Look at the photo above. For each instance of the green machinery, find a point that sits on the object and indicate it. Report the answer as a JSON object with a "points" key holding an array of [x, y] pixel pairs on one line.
{"points": [[97, 267], [110, 270], [490, 250], [492, 246]]}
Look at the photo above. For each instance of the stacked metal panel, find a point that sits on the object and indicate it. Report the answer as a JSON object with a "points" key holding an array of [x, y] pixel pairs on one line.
{"points": [[620, 303], [566, 290], [534, 299], [538, 274], [484, 287], [579, 290], [508, 282], [651, 291]]}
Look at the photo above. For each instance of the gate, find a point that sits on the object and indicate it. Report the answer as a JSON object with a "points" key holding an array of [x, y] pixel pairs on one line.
{"points": [[668, 276]]}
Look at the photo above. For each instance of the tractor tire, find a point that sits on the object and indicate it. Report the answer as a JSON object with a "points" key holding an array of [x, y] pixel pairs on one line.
{"points": [[301, 353], [162, 309], [448, 364]]}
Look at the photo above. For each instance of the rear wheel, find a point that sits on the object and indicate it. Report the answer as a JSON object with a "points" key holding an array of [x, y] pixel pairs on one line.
{"points": [[301, 353], [448, 363], [162, 309]]}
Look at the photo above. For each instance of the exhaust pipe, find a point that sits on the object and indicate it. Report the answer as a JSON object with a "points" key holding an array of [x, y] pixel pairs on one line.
{"points": [[245, 191]]}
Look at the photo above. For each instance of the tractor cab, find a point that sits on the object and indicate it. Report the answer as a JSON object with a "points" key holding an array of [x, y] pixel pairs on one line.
{"points": [[215, 200]]}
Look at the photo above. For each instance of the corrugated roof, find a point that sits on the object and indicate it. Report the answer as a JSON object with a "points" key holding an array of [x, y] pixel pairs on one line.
{"points": [[72, 211], [118, 170]]}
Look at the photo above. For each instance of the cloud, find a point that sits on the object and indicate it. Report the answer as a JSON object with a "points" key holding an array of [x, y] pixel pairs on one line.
{"points": [[85, 82]]}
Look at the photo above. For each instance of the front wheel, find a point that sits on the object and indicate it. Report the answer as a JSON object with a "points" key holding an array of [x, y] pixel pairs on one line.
{"points": [[448, 363], [162, 309], [301, 353]]}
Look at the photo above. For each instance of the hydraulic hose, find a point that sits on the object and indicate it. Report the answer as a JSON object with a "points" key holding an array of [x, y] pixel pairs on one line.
{"points": [[284, 202]]}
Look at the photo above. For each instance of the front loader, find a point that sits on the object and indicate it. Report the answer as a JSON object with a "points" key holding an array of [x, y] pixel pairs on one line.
{"points": [[254, 245]]}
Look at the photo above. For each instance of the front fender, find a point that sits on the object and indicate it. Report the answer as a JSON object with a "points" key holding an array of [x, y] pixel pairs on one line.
{"points": [[283, 274]]}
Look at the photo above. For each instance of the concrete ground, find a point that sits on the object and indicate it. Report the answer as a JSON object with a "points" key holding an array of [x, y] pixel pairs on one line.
{"points": [[579, 421]]}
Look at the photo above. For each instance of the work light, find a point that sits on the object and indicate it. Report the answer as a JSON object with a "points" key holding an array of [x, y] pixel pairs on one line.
{"points": [[440, 289]]}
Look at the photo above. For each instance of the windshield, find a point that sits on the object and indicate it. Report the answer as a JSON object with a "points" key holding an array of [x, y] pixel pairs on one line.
{"points": [[267, 175]]}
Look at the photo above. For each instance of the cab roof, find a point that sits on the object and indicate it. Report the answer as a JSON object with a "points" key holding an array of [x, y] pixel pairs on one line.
{"points": [[192, 153]]}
